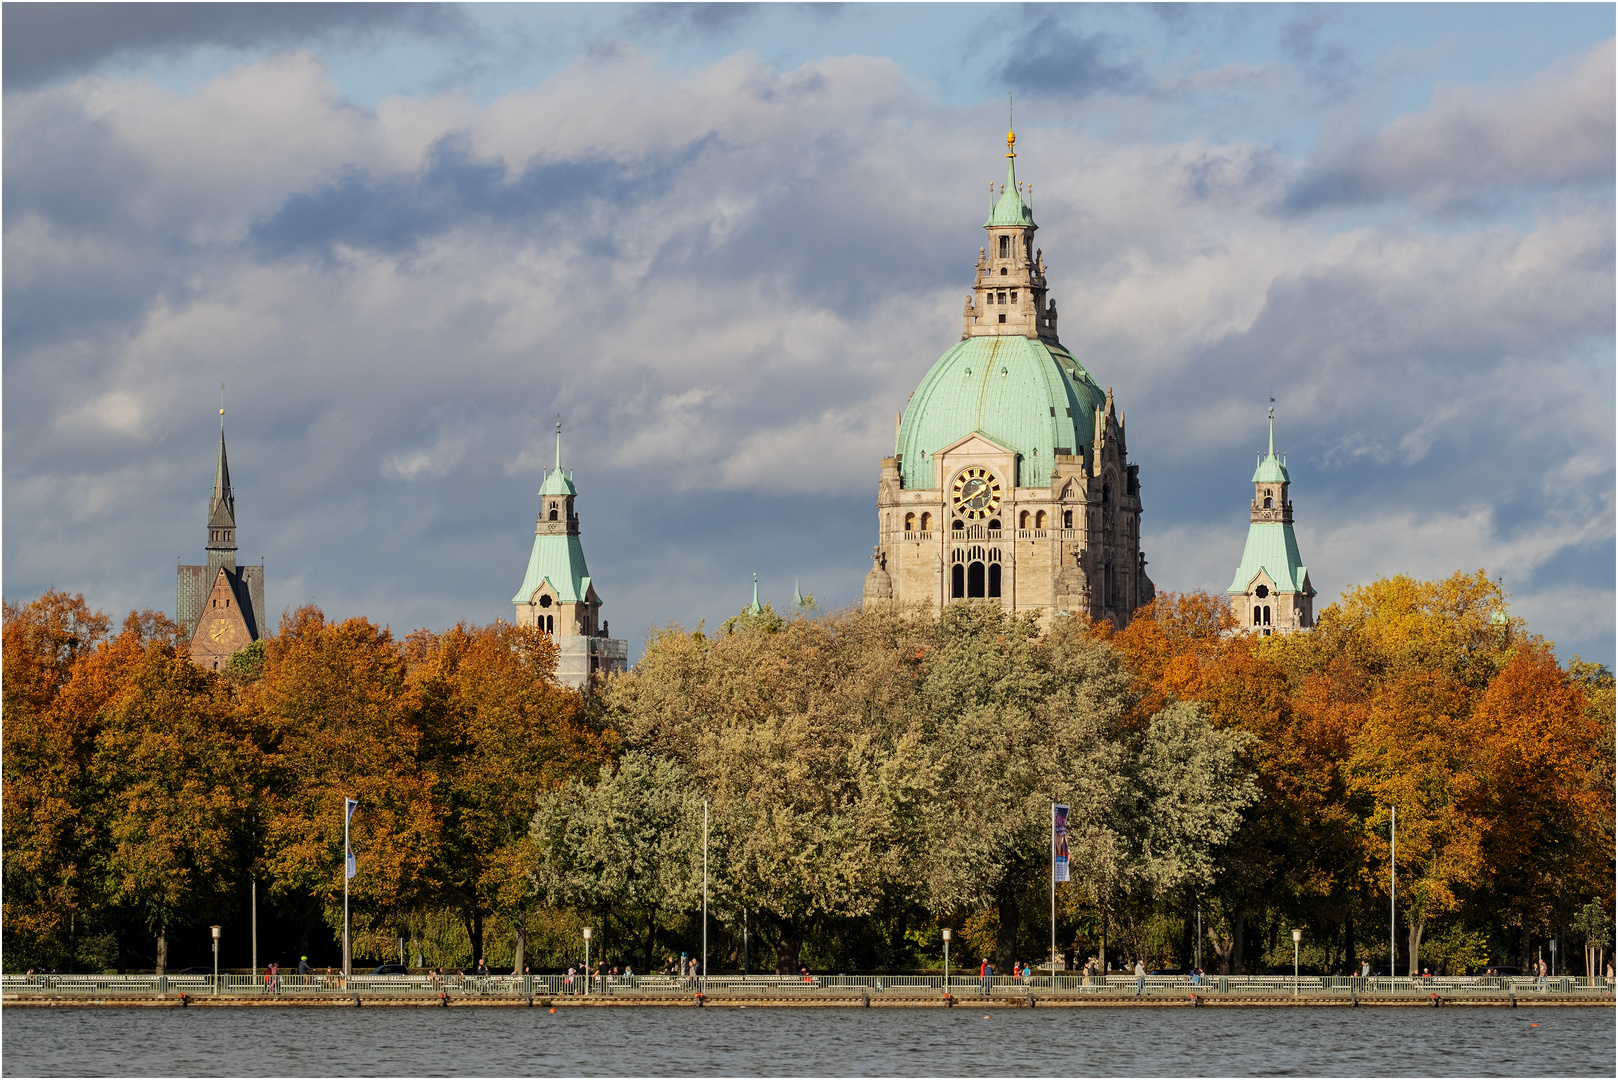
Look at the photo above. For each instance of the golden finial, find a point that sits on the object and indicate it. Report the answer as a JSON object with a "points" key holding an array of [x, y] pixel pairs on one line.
{"points": [[1011, 144], [1011, 135]]}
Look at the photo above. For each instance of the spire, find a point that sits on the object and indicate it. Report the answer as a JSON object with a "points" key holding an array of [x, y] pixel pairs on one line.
{"points": [[1010, 209], [797, 594], [1272, 427], [221, 544], [559, 441], [754, 608], [556, 481]]}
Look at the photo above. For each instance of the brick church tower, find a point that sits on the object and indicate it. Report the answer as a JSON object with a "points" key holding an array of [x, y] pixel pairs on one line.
{"points": [[220, 607]]}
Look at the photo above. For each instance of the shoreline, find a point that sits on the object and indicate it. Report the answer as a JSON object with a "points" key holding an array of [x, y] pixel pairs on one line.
{"points": [[875, 1001]]}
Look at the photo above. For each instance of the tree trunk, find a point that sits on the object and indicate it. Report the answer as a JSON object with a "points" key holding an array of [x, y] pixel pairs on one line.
{"points": [[1238, 943], [1350, 958], [787, 945], [521, 954], [473, 921], [1417, 927], [1188, 931], [1103, 957], [651, 941], [162, 950], [1524, 946], [1005, 938]]}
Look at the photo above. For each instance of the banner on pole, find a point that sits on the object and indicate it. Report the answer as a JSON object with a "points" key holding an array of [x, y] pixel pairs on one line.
{"points": [[350, 806], [1058, 842]]}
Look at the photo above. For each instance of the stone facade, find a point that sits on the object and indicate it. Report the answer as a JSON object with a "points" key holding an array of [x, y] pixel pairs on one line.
{"points": [[557, 595], [1271, 593], [220, 607], [1011, 480]]}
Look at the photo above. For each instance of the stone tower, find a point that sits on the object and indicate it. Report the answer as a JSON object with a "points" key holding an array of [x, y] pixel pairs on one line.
{"points": [[557, 595], [1010, 479], [1271, 592], [220, 607]]}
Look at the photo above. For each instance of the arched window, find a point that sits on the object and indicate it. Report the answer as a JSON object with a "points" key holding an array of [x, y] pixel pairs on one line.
{"points": [[957, 581], [956, 525], [1266, 614], [994, 523], [1258, 615], [1039, 520], [1005, 248], [994, 579], [1266, 502], [553, 511], [1022, 522], [910, 523], [1106, 494], [974, 581], [926, 522], [1067, 519]]}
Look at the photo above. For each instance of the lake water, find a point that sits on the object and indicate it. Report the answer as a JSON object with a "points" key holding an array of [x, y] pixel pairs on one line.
{"points": [[808, 1042]]}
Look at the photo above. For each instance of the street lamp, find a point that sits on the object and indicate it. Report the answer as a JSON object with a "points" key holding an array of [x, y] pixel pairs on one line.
{"points": [[946, 959], [215, 931], [1297, 936], [586, 959]]}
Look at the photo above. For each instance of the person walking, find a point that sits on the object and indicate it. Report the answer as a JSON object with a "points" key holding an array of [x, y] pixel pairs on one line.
{"points": [[1140, 978], [303, 966]]}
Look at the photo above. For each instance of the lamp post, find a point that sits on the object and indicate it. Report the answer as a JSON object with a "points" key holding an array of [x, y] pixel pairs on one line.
{"points": [[215, 931], [586, 959], [1297, 936], [946, 959], [1393, 892]]}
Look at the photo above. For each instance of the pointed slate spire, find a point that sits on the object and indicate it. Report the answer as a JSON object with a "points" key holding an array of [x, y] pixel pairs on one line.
{"points": [[221, 545]]}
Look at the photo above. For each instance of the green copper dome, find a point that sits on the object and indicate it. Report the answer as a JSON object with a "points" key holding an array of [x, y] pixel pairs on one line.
{"points": [[1028, 395]]}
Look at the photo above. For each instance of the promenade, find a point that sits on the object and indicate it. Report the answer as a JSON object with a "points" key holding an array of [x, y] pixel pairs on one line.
{"points": [[858, 991]]}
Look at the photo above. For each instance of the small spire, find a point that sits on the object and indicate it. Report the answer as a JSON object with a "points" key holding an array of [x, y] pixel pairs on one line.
{"points": [[1272, 427], [797, 594], [754, 608], [558, 442], [221, 406]]}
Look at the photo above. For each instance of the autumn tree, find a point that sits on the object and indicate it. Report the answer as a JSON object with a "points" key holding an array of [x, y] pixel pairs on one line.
{"points": [[498, 732], [47, 749], [174, 774], [339, 721]]}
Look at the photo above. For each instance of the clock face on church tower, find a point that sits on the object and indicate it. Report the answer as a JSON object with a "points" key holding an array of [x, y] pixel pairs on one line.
{"points": [[977, 494]]}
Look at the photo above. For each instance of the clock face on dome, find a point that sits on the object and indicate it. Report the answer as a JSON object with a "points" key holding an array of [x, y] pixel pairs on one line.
{"points": [[977, 493]]}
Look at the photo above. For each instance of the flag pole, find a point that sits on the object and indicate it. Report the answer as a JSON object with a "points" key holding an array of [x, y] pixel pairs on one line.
{"points": [[348, 853], [1053, 894], [704, 982]]}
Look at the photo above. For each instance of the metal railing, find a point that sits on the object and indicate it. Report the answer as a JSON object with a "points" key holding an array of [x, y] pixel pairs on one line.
{"points": [[960, 986]]}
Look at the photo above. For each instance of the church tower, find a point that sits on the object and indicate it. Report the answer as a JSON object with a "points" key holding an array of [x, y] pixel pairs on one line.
{"points": [[557, 595], [220, 607], [1271, 592], [1010, 480]]}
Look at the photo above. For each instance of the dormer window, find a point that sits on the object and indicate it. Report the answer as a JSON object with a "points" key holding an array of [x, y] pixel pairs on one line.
{"points": [[1005, 248]]}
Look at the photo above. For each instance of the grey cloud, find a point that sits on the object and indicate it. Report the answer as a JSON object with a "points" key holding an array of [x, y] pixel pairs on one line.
{"points": [[709, 21], [1555, 130], [1326, 68], [390, 407], [47, 41], [1051, 57]]}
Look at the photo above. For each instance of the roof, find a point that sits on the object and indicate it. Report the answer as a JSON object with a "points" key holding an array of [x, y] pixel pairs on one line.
{"points": [[557, 558], [1025, 394], [1272, 548], [1271, 470], [557, 482], [1010, 210]]}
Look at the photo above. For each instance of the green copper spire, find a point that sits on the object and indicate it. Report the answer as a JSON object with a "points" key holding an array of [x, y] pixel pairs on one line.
{"points": [[1271, 469], [557, 483], [754, 608], [1011, 209], [797, 594]]}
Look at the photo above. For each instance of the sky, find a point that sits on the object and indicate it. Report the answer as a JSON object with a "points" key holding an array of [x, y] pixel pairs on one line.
{"points": [[724, 242]]}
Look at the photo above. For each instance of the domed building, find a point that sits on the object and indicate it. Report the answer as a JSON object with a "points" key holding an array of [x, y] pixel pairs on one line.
{"points": [[1010, 479]]}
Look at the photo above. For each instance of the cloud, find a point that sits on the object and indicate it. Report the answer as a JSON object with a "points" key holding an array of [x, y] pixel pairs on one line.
{"points": [[727, 280], [1556, 129], [1051, 57], [46, 41]]}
